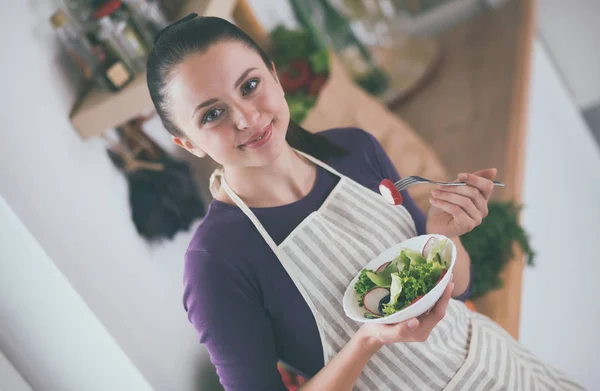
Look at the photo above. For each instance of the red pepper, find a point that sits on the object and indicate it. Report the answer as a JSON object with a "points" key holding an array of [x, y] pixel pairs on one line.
{"points": [[316, 84], [296, 76]]}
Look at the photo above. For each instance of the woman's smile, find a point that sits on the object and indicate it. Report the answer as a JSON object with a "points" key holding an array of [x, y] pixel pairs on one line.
{"points": [[259, 139]]}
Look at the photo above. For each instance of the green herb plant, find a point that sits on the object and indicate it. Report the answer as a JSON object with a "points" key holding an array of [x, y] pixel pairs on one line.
{"points": [[490, 246]]}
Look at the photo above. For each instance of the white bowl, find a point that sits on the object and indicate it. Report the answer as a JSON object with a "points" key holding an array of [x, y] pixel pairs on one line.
{"points": [[356, 312]]}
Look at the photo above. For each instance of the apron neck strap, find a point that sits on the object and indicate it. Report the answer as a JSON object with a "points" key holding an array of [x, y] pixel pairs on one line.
{"points": [[320, 163], [242, 205]]}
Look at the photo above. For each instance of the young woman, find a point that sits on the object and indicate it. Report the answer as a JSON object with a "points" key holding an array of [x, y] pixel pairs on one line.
{"points": [[295, 216]]}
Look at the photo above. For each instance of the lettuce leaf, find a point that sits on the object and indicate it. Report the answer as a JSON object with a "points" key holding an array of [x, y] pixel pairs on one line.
{"points": [[363, 285], [416, 280]]}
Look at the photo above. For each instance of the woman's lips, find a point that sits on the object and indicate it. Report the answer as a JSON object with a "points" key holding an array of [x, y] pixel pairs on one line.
{"points": [[261, 139]]}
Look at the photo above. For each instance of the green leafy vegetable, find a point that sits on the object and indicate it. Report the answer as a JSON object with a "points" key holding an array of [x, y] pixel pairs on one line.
{"points": [[408, 277], [374, 82], [416, 280], [363, 285], [395, 289], [300, 104], [319, 61], [408, 256], [290, 45], [490, 246]]}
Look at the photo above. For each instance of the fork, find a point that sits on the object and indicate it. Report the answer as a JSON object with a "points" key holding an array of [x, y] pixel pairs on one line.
{"points": [[405, 183], [391, 191]]}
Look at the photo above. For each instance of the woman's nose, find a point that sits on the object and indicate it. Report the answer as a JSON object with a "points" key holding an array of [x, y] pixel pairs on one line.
{"points": [[246, 116]]}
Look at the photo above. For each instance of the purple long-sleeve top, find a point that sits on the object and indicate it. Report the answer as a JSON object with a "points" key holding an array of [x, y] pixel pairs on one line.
{"points": [[246, 309]]}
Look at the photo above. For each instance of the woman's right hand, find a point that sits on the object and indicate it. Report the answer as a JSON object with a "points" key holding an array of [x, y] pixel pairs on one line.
{"points": [[342, 371], [374, 335]]}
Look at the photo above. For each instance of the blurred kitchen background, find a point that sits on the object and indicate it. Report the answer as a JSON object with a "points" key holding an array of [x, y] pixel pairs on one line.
{"points": [[91, 246]]}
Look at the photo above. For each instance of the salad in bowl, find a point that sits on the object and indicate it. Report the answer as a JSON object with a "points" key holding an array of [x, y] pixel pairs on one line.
{"points": [[403, 282]]}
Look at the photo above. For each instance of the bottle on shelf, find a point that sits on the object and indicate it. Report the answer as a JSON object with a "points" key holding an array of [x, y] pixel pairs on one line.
{"points": [[117, 30], [148, 17], [79, 12], [98, 66]]}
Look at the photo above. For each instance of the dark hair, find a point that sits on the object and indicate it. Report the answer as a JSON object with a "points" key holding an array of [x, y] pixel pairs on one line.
{"points": [[194, 34]]}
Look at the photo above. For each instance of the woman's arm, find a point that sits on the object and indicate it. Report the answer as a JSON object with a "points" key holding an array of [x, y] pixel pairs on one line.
{"points": [[228, 315], [342, 372], [457, 210], [238, 335], [462, 269]]}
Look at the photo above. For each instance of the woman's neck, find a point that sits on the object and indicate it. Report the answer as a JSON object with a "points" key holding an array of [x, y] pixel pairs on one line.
{"points": [[286, 180]]}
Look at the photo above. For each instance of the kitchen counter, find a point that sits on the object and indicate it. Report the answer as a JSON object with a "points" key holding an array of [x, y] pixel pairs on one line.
{"points": [[472, 112]]}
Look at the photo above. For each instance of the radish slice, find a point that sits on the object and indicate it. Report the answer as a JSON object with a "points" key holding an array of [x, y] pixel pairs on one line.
{"points": [[380, 268], [389, 192], [372, 299], [428, 247]]}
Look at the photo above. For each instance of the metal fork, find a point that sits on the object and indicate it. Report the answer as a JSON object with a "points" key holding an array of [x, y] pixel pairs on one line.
{"points": [[407, 182]]}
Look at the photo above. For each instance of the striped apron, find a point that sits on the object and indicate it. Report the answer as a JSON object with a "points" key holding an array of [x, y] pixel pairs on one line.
{"points": [[465, 351]]}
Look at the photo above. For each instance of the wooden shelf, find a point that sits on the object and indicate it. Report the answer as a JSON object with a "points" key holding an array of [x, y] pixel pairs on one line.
{"points": [[98, 111], [472, 112]]}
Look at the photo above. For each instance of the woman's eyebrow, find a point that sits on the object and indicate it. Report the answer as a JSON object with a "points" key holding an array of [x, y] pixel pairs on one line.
{"points": [[204, 104], [215, 100], [241, 78]]}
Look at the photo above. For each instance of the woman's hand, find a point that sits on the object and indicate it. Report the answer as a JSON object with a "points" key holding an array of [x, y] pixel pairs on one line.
{"points": [[342, 371], [413, 330], [456, 210]]}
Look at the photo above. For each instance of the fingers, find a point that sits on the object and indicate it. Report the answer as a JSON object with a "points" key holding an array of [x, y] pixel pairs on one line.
{"points": [[461, 218], [420, 330], [487, 173], [438, 312], [481, 180], [464, 201], [400, 332], [473, 194]]}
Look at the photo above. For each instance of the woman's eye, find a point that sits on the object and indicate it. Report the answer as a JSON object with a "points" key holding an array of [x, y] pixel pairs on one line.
{"points": [[249, 86], [211, 115]]}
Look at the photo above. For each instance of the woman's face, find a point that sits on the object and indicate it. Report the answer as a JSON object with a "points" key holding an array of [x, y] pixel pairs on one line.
{"points": [[229, 105]]}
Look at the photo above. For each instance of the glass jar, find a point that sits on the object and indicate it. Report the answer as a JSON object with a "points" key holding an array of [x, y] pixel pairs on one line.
{"points": [[148, 17], [96, 64], [118, 30]]}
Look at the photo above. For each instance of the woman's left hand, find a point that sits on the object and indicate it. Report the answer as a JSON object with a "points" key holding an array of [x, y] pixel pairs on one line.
{"points": [[456, 210]]}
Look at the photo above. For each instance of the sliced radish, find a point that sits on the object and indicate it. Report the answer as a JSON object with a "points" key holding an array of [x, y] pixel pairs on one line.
{"points": [[428, 247], [389, 192], [380, 268], [372, 299]]}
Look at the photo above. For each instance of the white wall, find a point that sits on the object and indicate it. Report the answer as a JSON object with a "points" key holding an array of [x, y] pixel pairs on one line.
{"points": [[560, 310], [570, 31], [74, 202], [47, 330], [10, 378]]}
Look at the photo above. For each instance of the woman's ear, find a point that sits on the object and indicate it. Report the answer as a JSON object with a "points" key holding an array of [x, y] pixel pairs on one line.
{"points": [[189, 146]]}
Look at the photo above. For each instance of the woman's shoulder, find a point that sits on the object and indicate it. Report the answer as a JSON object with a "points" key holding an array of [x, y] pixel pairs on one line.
{"points": [[365, 155], [223, 231], [349, 138], [221, 246]]}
